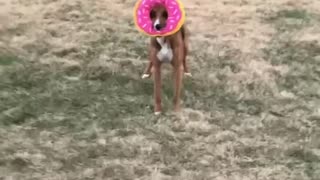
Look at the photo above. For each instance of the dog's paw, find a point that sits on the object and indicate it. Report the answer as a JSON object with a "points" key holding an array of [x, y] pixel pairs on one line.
{"points": [[144, 76], [157, 113], [188, 74]]}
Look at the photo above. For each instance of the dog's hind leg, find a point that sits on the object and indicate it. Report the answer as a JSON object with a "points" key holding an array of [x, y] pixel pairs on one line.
{"points": [[184, 61], [185, 34], [185, 66]]}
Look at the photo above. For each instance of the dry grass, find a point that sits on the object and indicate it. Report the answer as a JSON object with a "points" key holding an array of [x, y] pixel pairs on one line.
{"points": [[73, 105]]}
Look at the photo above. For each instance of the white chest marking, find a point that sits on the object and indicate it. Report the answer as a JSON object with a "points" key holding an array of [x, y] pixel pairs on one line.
{"points": [[165, 54]]}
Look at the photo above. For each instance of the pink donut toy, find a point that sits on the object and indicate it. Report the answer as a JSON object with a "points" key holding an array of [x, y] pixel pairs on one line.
{"points": [[176, 16]]}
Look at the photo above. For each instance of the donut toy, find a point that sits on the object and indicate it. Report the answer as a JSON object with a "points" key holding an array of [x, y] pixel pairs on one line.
{"points": [[176, 16]]}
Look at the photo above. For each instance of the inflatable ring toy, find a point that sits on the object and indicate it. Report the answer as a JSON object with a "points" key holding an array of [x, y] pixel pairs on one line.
{"points": [[143, 22]]}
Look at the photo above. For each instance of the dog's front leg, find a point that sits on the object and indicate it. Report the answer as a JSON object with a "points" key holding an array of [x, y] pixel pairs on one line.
{"points": [[152, 54], [157, 81], [147, 72], [178, 75], [157, 88]]}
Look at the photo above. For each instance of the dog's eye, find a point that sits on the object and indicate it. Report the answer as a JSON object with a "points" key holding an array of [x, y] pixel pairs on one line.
{"points": [[152, 14], [165, 15]]}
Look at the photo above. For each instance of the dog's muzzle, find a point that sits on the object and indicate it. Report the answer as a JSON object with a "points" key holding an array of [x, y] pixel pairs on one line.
{"points": [[157, 26]]}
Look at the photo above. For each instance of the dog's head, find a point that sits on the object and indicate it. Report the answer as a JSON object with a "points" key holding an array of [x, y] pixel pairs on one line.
{"points": [[159, 16]]}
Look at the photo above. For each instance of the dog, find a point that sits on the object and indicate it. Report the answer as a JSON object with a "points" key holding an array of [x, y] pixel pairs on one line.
{"points": [[171, 49]]}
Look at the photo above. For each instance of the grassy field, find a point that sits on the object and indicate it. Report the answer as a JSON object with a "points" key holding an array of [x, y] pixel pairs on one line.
{"points": [[73, 106]]}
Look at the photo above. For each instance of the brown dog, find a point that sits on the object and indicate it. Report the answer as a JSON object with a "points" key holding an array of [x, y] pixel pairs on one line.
{"points": [[169, 49]]}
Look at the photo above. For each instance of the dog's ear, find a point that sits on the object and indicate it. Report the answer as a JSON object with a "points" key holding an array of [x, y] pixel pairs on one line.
{"points": [[152, 14], [165, 14]]}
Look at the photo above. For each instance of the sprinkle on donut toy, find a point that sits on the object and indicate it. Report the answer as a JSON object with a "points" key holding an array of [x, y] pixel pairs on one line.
{"points": [[176, 16]]}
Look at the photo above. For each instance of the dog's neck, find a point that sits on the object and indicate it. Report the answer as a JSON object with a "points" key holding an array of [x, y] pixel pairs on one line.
{"points": [[162, 42], [165, 54]]}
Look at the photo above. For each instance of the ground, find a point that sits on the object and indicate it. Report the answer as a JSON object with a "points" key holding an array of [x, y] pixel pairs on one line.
{"points": [[73, 105]]}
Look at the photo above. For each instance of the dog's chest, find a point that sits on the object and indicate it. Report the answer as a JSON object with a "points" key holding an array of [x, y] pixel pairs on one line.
{"points": [[165, 54]]}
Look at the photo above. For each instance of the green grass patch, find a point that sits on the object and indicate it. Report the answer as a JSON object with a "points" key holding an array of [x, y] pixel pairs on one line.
{"points": [[301, 57], [301, 80], [6, 60], [294, 14], [29, 94], [290, 20]]}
